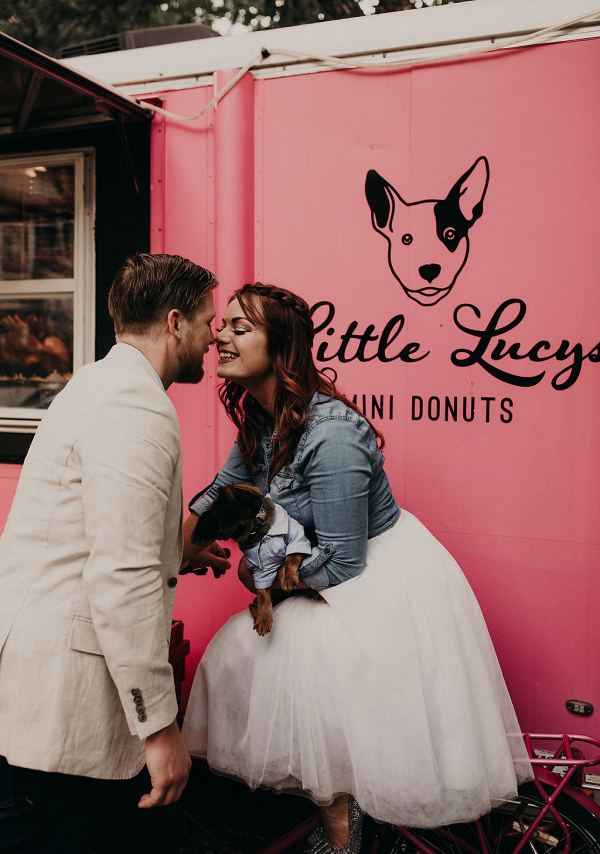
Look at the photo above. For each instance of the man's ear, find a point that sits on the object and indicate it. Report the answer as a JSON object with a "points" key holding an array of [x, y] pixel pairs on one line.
{"points": [[174, 323]]}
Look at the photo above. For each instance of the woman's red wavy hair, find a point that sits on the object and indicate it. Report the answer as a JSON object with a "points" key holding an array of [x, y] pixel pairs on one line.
{"points": [[290, 332]]}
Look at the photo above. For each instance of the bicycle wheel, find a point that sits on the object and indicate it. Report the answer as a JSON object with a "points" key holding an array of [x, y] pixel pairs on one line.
{"points": [[502, 829]]}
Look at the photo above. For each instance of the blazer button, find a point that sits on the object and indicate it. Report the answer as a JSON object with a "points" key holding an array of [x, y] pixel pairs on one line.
{"points": [[172, 582], [138, 701], [136, 692], [142, 717]]}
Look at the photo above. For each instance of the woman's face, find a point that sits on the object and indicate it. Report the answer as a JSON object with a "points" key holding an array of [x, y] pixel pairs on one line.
{"points": [[242, 349]]}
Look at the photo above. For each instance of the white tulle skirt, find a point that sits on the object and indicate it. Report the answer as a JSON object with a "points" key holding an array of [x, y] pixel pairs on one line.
{"points": [[391, 691]]}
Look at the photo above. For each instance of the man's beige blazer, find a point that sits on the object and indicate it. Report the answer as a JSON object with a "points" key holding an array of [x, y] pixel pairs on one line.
{"points": [[88, 566]]}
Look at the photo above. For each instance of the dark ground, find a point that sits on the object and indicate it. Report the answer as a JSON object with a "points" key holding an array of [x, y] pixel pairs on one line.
{"points": [[214, 816], [224, 817]]}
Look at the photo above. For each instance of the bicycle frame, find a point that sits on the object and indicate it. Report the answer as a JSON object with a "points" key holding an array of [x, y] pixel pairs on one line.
{"points": [[563, 757], [543, 777]]}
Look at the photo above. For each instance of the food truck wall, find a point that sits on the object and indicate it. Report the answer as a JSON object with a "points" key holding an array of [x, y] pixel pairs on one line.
{"points": [[491, 436], [488, 391]]}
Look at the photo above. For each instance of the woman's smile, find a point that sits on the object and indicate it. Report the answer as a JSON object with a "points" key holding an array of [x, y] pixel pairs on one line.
{"points": [[243, 356]]}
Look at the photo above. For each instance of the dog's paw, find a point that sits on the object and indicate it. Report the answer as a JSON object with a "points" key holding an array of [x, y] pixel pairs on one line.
{"points": [[289, 581], [263, 625]]}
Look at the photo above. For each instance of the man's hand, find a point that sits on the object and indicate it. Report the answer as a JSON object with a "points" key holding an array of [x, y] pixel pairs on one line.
{"points": [[169, 764], [198, 562], [212, 557]]}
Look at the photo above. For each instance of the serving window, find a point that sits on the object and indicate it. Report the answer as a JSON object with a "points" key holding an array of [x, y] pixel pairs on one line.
{"points": [[46, 280]]}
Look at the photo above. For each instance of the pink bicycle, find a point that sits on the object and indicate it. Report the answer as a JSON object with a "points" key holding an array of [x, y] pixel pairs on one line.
{"points": [[551, 815]]}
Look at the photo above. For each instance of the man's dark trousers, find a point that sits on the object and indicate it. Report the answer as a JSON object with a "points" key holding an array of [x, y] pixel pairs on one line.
{"points": [[48, 813]]}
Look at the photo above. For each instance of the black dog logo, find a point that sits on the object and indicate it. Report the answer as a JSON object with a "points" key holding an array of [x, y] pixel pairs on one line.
{"points": [[428, 241]]}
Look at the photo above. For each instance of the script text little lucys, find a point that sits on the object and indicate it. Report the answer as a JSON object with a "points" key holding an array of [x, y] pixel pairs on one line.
{"points": [[366, 344]]}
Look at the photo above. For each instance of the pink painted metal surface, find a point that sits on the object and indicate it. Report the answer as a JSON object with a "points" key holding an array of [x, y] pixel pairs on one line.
{"points": [[510, 490], [490, 431], [205, 226], [465, 324]]}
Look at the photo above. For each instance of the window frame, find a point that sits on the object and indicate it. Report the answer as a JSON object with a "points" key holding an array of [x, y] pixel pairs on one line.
{"points": [[82, 286]]}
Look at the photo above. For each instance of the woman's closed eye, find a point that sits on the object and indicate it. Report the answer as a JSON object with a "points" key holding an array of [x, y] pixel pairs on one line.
{"points": [[238, 325], [237, 330]]}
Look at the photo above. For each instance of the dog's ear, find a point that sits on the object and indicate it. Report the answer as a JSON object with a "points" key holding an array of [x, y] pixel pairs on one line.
{"points": [[469, 191], [204, 531], [381, 198], [237, 496]]}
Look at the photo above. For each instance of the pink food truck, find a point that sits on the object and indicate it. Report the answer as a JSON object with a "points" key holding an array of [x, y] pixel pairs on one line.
{"points": [[429, 182]]}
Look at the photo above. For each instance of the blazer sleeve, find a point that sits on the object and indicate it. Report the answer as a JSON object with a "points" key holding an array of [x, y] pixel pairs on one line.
{"points": [[128, 457]]}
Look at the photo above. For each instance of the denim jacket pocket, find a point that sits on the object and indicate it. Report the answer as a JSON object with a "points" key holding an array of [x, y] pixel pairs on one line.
{"points": [[281, 482]]}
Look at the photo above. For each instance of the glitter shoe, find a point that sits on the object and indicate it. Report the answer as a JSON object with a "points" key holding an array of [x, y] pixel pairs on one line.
{"points": [[319, 845]]}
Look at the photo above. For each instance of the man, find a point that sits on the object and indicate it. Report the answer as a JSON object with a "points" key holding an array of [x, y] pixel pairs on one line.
{"points": [[88, 567]]}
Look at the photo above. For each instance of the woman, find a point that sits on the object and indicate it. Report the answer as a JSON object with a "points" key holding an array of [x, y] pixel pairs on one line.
{"points": [[390, 692]]}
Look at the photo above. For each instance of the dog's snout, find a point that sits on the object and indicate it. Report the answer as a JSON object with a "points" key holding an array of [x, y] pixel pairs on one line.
{"points": [[429, 272]]}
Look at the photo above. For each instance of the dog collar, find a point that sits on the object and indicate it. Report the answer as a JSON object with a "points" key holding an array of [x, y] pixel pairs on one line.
{"points": [[259, 519]]}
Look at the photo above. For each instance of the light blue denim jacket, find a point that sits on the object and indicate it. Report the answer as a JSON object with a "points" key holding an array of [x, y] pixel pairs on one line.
{"points": [[335, 487]]}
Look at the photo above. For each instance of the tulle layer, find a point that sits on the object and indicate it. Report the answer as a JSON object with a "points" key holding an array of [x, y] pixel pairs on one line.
{"points": [[390, 691]]}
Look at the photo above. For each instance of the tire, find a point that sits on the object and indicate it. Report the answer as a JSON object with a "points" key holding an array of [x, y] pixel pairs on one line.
{"points": [[504, 826]]}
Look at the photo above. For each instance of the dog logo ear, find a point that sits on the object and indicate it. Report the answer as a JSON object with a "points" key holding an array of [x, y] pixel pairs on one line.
{"points": [[470, 190], [380, 196]]}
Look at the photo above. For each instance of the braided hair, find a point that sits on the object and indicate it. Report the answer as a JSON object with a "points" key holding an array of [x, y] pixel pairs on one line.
{"points": [[286, 319]]}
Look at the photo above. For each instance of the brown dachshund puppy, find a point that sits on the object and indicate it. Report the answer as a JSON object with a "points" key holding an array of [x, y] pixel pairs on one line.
{"points": [[272, 542]]}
